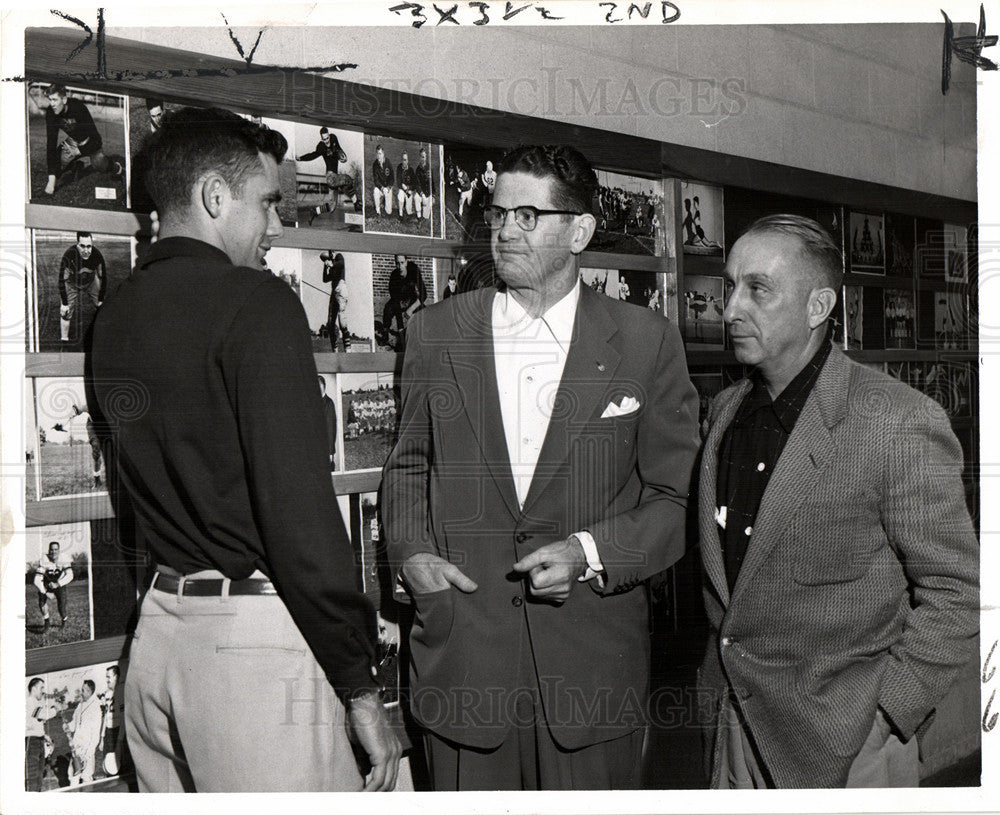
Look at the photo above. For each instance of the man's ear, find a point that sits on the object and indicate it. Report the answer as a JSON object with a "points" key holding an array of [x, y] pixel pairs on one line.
{"points": [[821, 304], [214, 193], [583, 231]]}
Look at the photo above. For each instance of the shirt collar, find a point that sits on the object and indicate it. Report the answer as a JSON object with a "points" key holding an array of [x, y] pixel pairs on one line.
{"points": [[560, 317], [180, 246], [789, 403]]}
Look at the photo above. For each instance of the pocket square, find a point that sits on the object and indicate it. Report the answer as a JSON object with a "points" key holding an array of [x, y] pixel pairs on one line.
{"points": [[628, 405]]}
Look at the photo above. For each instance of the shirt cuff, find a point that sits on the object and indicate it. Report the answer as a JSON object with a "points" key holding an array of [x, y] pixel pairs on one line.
{"points": [[594, 566]]}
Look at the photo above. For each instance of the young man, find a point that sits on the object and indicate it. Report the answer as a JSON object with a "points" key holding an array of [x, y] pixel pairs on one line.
{"points": [[382, 180], [406, 182], [39, 711], [545, 446], [85, 729], [842, 567], [83, 283], [423, 200], [52, 575], [113, 708], [328, 148], [254, 586]]}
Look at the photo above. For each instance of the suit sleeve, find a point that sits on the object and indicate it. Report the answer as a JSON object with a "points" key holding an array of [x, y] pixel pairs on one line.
{"points": [[282, 430], [666, 445], [406, 474], [928, 524]]}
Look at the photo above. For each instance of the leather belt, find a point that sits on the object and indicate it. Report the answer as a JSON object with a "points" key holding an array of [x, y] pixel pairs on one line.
{"points": [[211, 586]]}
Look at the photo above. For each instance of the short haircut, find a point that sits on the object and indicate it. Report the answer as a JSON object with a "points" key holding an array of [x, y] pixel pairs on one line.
{"points": [[80, 235], [154, 103], [89, 683], [34, 683], [324, 130], [56, 90], [113, 669], [575, 182], [54, 543], [817, 245], [192, 142], [378, 147]]}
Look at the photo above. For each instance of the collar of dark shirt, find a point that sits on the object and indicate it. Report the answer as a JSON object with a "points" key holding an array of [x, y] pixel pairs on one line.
{"points": [[179, 246], [788, 404]]}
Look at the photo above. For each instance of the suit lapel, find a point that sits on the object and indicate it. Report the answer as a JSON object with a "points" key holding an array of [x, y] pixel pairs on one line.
{"points": [[708, 530], [809, 450], [590, 367], [474, 367]]}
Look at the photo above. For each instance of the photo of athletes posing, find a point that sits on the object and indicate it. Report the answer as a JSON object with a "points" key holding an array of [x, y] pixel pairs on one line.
{"points": [[369, 407], [337, 298], [402, 187], [645, 289], [58, 580], [701, 219], [76, 147], [328, 171], [629, 212], [469, 177], [73, 728], [401, 286], [72, 273], [70, 460]]}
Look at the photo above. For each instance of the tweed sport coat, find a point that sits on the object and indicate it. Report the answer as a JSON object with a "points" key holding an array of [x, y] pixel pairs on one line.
{"points": [[860, 585], [447, 489]]}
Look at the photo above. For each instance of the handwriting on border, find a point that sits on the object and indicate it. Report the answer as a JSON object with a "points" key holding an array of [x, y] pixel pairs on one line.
{"points": [[967, 49], [989, 721], [613, 12]]}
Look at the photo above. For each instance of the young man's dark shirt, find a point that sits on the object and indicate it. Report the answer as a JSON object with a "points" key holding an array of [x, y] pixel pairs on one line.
{"points": [[77, 123]]}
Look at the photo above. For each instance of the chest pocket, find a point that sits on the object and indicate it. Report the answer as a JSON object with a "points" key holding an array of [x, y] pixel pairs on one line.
{"points": [[834, 544]]}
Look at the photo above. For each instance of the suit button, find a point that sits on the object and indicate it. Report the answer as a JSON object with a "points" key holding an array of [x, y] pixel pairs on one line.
{"points": [[517, 601], [726, 642], [521, 537]]}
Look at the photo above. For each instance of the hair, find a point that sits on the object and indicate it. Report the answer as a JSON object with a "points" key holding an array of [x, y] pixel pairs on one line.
{"points": [[574, 180], [59, 90], [55, 543], [89, 683], [113, 669], [378, 147], [192, 142], [80, 235], [324, 130], [34, 683], [817, 245], [154, 103]]}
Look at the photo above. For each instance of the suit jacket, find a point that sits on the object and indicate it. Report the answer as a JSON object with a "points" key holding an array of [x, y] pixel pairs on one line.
{"points": [[448, 490], [860, 585]]}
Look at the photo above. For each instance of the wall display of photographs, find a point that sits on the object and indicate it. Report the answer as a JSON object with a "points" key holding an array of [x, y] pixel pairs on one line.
{"points": [[81, 711], [630, 216], [704, 302], [401, 286], [744, 206], [30, 443], [853, 318], [287, 170], [71, 274], [329, 173], [369, 407], [337, 298], [931, 254], [643, 288], [329, 390], [943, 319], [866, 243], [70, 459], [58, 585], [76, 147], [286, 264], [702, 219], [956, 249], [900, 241], [900, 314], [469, 178], [413, 204], [872, 318]]}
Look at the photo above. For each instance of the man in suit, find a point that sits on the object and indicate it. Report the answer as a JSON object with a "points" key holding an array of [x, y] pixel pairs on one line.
{"points": [[546, 441], [841, 564]]}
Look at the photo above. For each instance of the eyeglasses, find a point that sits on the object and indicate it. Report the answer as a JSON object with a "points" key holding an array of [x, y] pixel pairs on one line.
{"points": [[525, 217]]}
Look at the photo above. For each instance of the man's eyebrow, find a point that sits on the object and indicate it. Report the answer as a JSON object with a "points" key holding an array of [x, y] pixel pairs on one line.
{"points": [[273, 198]]}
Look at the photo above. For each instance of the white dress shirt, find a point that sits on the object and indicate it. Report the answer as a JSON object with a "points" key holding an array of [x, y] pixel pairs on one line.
{"points": [[530, 355]]}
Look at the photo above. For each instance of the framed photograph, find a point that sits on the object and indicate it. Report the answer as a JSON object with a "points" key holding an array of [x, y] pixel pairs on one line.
{"points": [[81, 712], [469, 178], [900, 318], [866, 247], [329, 176], [630, 217], [943, 319], [70, 459], [337, 298], [369, 407], [704, 302], [329, 394], [643, 288], [58, 585], [930, 254], [413, 204], [900, 244], [76, 147], [71, 275], [702, 219], [286, 264], [853, 318], [401, 286], [445, 279], [956, 257]]}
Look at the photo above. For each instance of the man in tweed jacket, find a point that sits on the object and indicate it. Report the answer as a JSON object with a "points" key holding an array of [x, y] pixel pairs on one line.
{"points": [[841, 566]]}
